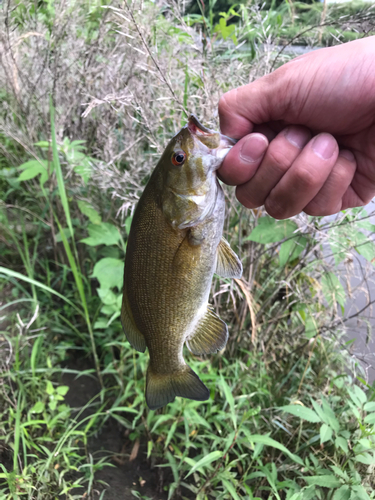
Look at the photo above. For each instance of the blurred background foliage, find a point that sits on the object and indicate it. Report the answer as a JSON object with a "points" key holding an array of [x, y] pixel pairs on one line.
{"points": [[91, 93]]}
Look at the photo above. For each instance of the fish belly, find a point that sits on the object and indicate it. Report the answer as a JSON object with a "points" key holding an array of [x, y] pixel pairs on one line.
{"points": [[168, 279]]}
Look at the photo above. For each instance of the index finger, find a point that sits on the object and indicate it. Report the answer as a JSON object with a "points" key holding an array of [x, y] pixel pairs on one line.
{"points": [[232, 122], [242, 108]]}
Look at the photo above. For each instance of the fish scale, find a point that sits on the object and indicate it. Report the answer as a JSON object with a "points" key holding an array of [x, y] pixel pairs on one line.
{"points": [[172, 253]]}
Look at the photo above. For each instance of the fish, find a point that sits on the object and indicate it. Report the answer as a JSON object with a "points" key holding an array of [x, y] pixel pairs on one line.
{"points": [[175, 246]]}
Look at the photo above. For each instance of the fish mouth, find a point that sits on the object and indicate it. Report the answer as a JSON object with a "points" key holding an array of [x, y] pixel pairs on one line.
{"points": [[196, 128], [226, 144], [219, 145]]}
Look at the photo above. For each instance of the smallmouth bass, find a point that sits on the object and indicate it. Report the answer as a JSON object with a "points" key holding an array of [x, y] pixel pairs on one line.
{"points": [[175, 245]]}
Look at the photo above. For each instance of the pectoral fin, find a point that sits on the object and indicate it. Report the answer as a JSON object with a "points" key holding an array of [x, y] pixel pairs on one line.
{"points": [[132, 333], [209, 336], [228, 264]]}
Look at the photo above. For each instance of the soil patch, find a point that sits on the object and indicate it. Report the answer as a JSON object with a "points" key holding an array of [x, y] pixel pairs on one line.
{"points": [[112, 442]]}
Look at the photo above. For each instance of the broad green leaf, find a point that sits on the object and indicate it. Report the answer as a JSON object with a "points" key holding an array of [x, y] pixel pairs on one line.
{"points": [[320, 412], [365, 246], [366, 224], [84, 169], [102, 234], [325, 433], [32, 164], [265, 440], [49, 389], [269, 230], [332, 420], [354, 409], [342, 443], [369, 406], [332, 289], [62, 390], [361, 395], [107, 296], [33, 168], [109, 272], [340, 472], [52, 405], [342, 493], [128, 223], [365, 458], [38, 407], [30, 173], [109, 310], [337, 247], [89, 211], [370, 418], [205, 461], [101, 323], [354, 398], [324, 481], [359, 493], [301, 412], [291, 249]]}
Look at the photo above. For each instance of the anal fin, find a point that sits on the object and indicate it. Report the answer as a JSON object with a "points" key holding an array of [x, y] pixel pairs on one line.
{"points": [[132, 333], [209, 336], [228, 264], [162, 389]]}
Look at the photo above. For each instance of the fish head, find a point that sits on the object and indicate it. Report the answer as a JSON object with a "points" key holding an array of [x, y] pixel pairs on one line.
{"points": [[189, 164]]}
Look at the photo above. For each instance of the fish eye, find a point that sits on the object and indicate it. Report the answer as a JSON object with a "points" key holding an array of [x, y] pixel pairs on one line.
{"points": [[178, 158]]}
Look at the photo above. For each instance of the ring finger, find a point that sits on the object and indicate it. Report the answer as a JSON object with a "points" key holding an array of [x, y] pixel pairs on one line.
{"points": [[330, 198]]}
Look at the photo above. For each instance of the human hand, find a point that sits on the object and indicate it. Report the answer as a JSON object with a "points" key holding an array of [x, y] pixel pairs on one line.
{"points": [[307, 133]]}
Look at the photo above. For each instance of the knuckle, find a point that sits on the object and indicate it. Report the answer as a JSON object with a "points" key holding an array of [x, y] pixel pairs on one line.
{"points": [[306, 177], [314, 210], [246, 201], [226, 102], [279, 158], [275, 209], [318, 208]]}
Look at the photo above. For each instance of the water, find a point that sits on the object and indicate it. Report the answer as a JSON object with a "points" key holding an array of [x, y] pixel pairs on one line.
{"points": [[357, 275], [361, 328]]}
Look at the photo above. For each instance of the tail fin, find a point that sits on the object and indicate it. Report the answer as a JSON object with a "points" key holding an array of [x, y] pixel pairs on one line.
{"points": [[162, 389]]}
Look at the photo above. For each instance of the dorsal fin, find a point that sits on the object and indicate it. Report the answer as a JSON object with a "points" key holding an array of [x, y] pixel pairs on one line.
{"points": [[228, 264], [210, 335]]}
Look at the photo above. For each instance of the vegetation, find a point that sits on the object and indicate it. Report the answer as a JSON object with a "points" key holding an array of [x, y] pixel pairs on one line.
{"points": [[287, 22], [91, 93]]}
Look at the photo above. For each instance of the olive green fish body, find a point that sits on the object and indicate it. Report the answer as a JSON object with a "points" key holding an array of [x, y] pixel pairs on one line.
{"points": [[171, 257]]}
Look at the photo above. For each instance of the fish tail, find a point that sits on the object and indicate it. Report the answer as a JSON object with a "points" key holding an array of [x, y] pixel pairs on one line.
{"points": [[161, 389]]}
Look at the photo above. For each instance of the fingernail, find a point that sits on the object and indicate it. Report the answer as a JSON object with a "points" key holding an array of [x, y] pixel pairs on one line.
{"points": [[297, 136], [253, 148], [347, 154], [324, 145]]}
